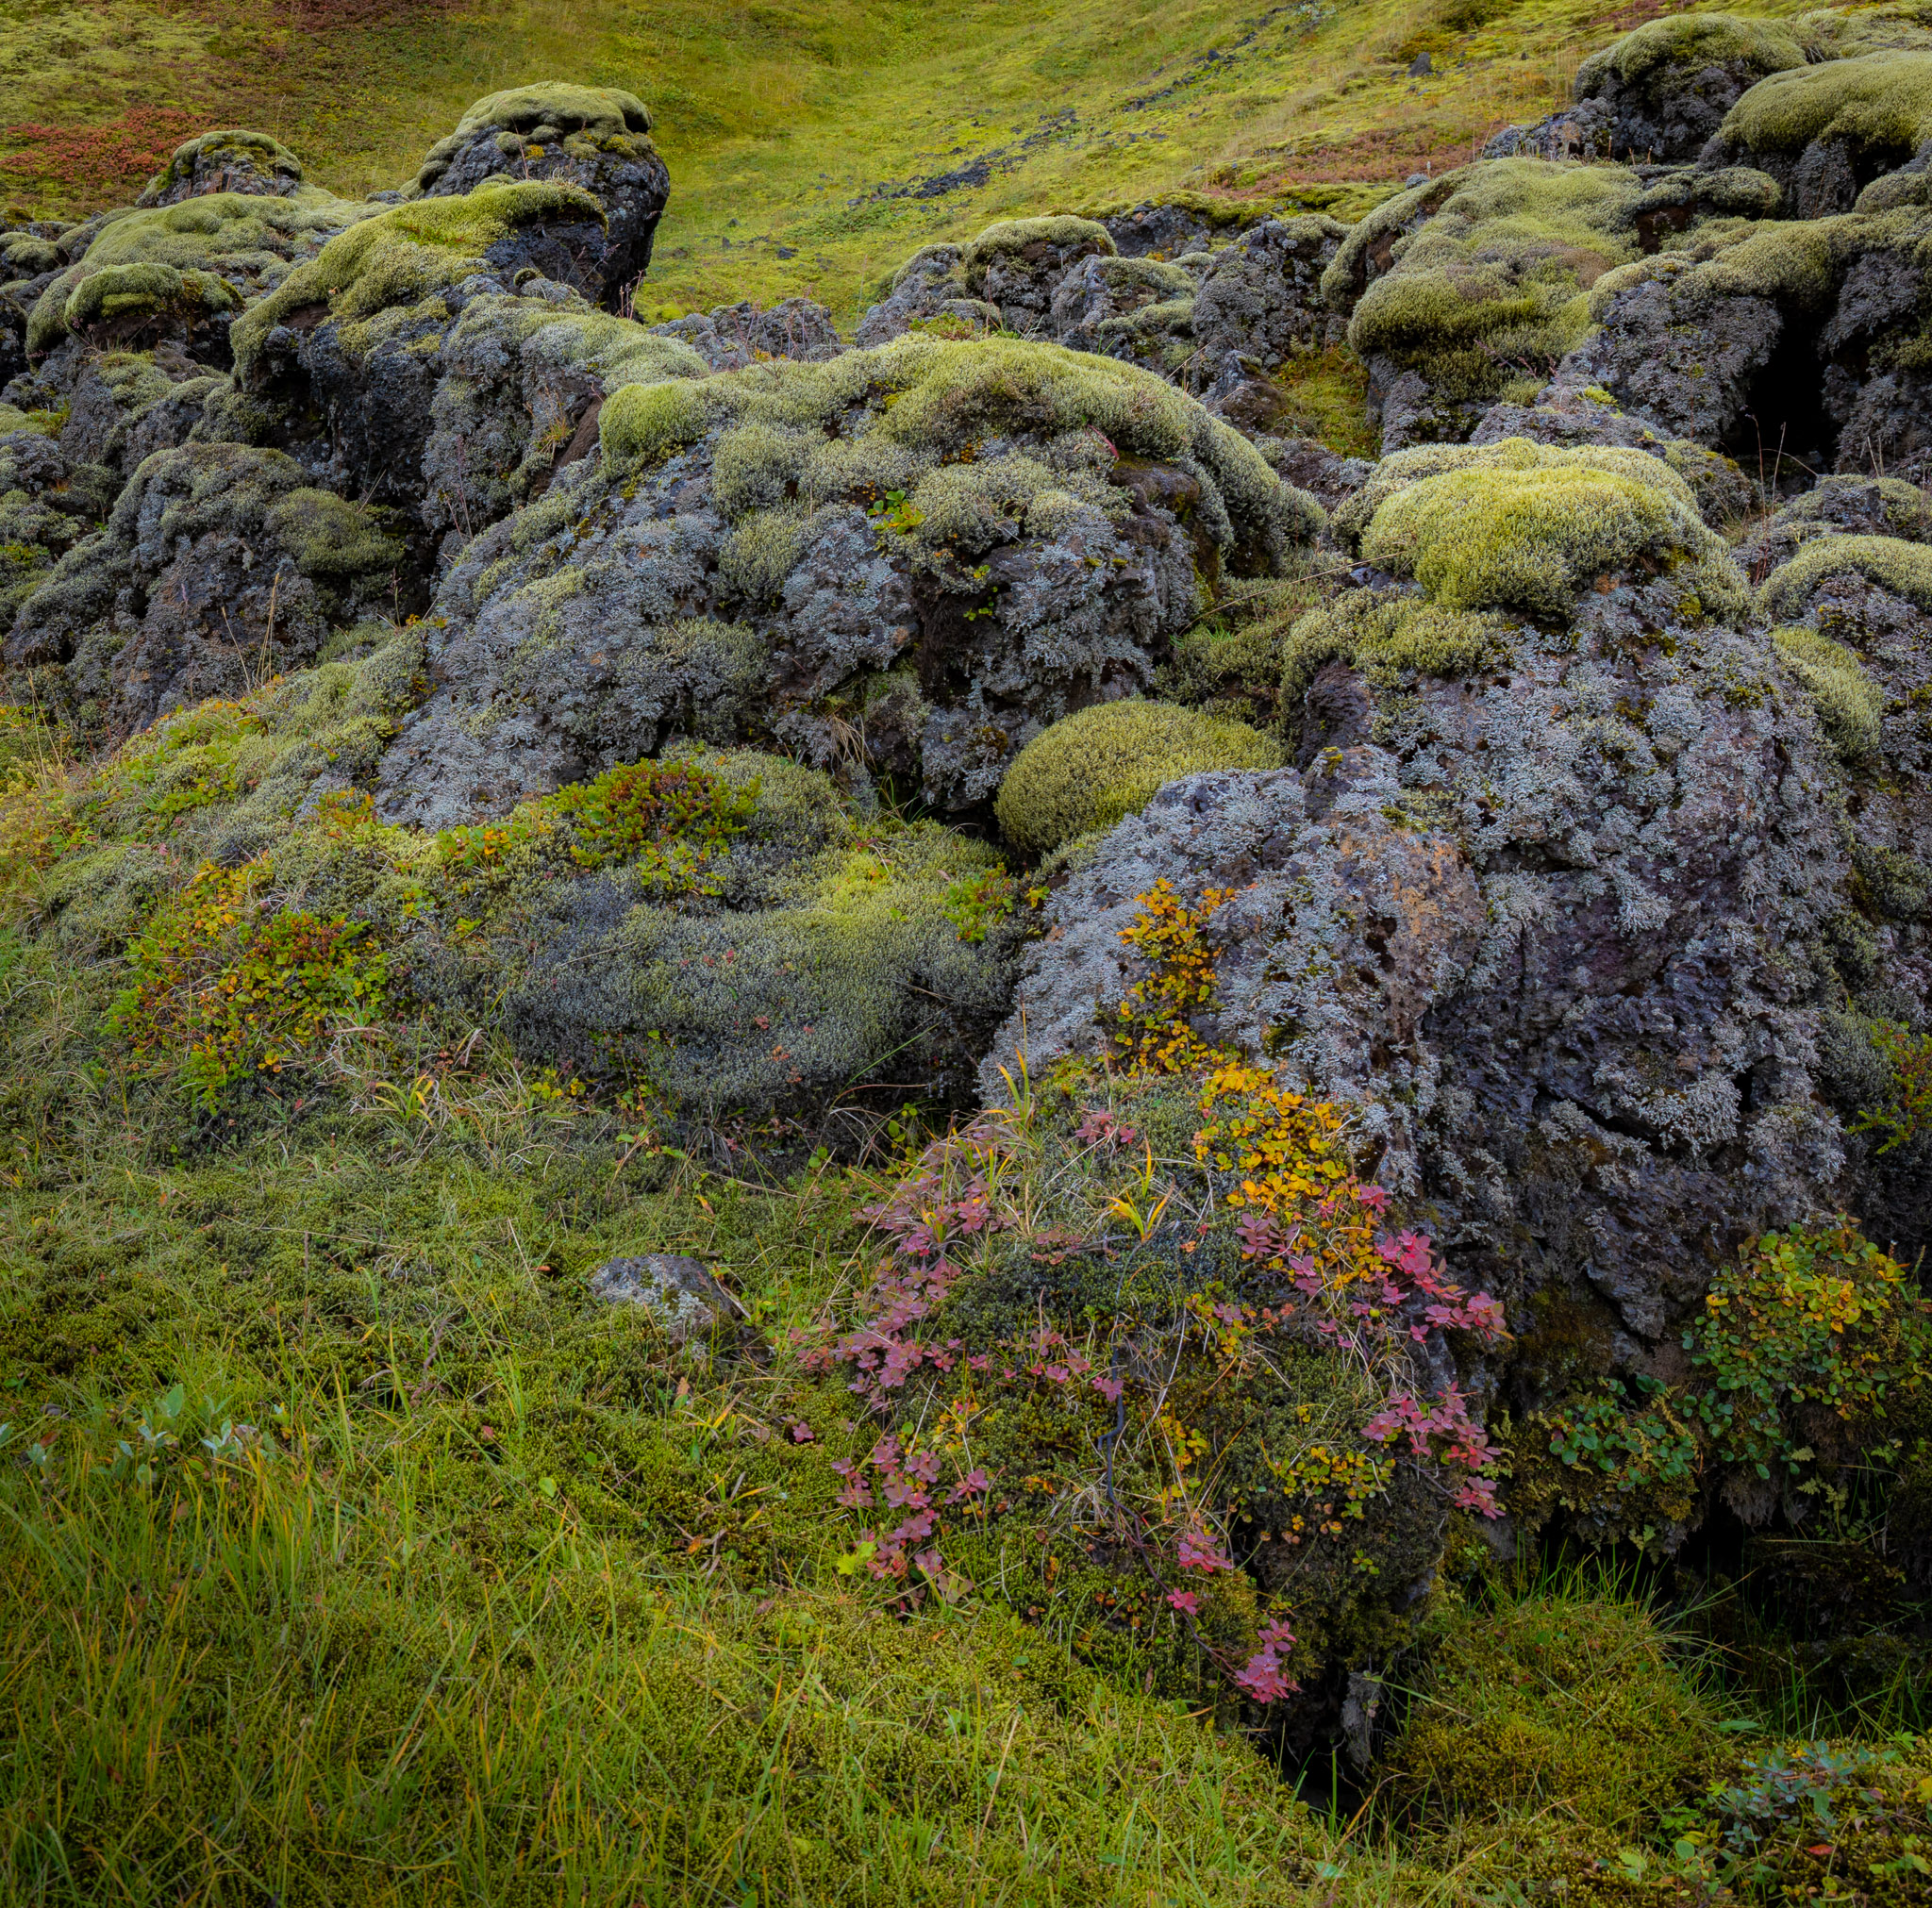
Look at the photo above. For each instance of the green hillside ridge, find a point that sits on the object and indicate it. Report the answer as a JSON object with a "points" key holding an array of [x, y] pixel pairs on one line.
{"points": [[813, 128]]}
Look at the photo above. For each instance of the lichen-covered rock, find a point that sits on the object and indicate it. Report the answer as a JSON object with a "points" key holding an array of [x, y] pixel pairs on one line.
{"points": [[729, 337], [1837, 505], [779, 952], [1854, 623], [595, 139], [1470, 288], [679, 1293], [1182, 222], [1794, 339], [218, 565], [184, 269], [1261, 295], [46, 506], [343, 358], [1550, 903], [798, 552], [925, 285], [1571, 419], [232, 161], [524, 378], [1101, 288]]}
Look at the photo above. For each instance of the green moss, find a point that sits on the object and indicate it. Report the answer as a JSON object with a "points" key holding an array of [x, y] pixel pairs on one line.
{"points": [[1554, 1701], [255, 151], [327, 536], [399, 258], [1494, 283], [1386, 640], [644, 423], [600, 110], [1850, 704], [1525, 526], [1094, 767], [1902, 569], [1687, 41], [1878, 102]]}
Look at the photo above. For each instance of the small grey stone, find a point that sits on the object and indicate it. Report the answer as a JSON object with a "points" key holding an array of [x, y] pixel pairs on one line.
{"points": [[1421, 66], [684, 1299]]}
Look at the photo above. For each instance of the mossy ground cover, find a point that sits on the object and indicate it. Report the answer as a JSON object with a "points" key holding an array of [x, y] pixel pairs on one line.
{"points": [[810, 146]]}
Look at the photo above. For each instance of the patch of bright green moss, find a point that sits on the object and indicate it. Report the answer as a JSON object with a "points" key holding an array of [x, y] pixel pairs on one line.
{"points": [[1902, 569], [1099, 764]]}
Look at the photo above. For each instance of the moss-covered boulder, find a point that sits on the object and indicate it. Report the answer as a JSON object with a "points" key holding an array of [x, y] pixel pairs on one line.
{"points": [[1101, 763], [1661, 91], [595, 139], [906, 561], [1792, 339], [522, 381], [218, 566], [729, 337], [231, 160], [1827, 132], [185, 268], [1541, 773], [345, 354], [1017, 265]]}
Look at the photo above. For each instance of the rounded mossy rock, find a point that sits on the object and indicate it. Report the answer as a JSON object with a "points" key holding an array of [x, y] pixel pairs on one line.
{"points": [[729, 337], [1101, 763], [1847, 505], [1525, 527], [218, 563], [520, 397], [594, 138], [1827, 132], [940, 547], [1556, 774], [1690, 343], [230, 160], [1666, 87]]}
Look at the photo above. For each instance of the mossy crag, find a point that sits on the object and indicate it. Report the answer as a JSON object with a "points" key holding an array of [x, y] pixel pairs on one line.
{"points": [[1523, 526], [1091, 768], [554, 112], [232, 160], [1661, 49], [396, 261], [1831, 129], [1902, 569], [521, 382]]}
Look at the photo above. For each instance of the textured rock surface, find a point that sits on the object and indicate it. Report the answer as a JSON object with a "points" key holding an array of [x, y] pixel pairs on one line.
{"points": [[594, 138], [1554, 913]]}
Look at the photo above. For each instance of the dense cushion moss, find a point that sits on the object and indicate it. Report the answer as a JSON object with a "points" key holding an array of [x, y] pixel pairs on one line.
{"points": [[1104, 762], [1517, 525]]}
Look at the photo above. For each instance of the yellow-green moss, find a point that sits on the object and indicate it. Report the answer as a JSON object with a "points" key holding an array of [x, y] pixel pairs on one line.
{"points": [[597, 109], [1101, 763], [1881, 100], [1902, 569], [1387, 637], [643, 422], [1061, 231], [1561, 1702], [256, 150], [1850, 706], [1525, 525], [401, 256]]}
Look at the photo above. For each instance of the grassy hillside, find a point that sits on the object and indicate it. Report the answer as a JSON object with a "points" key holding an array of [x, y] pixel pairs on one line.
{"points": [[807, 142]]}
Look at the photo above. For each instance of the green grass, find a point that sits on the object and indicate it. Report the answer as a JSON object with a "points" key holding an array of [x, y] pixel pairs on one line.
{"points": [[792, 127]]}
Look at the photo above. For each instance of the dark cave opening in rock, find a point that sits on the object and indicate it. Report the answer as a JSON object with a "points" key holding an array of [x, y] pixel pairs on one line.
{"points": [[1784, 431]]}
